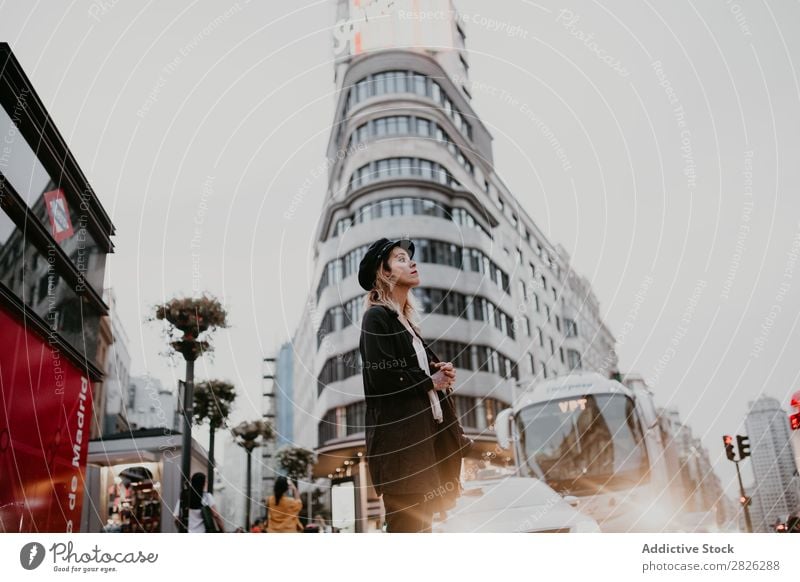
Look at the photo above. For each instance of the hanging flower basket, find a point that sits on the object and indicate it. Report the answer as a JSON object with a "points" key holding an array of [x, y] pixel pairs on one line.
{"points": [[193, 316], [188, 319], [252, 434]]}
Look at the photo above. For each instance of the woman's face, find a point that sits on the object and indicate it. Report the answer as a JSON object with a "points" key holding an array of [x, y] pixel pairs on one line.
{"points": [[403, 268]]}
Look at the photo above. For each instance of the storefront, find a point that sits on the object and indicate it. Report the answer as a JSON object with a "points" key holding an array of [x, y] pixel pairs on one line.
{"points": [[133, 481], [54, 238]]}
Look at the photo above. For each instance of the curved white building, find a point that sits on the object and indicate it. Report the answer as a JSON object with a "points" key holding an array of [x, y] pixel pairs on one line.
{"points": [[409, 157]]}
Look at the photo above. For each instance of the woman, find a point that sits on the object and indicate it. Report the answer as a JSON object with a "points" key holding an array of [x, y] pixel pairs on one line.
{"points": [[414, 440], [282, 511], [198, 497]]}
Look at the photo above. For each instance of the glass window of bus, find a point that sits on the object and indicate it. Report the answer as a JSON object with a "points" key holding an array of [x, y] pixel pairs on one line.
{"points": [[585, 444]]}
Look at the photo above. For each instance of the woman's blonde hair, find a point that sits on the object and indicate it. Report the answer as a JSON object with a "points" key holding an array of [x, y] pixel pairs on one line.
{"points": [[381, 294]]}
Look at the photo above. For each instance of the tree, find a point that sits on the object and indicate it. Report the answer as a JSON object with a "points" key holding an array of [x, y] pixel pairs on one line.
{"points": [[212, 402], [295, 461]]}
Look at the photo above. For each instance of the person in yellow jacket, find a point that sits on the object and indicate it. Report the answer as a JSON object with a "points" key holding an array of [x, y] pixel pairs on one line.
{"points": [[283, 511]]}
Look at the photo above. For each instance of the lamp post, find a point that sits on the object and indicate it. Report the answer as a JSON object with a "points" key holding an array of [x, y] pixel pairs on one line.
{"points": [[193, 317], [250, 435]]}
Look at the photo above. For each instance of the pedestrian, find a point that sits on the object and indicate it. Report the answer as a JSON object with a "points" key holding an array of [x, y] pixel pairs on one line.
{"points": [[198, 499], [414, 440], [322, 525], [282, 510]]}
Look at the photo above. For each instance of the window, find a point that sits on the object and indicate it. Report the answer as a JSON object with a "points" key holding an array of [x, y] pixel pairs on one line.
{"points": [[407, 82], [573, 359], [532, 363], [561, 354], [395, 167], [522, 291], [354, 414], [519, 257], [541, 336], [465, 408], [552, 346], [463, 62], [403, 124], [420, 85], [570, 328], [327, 427]]}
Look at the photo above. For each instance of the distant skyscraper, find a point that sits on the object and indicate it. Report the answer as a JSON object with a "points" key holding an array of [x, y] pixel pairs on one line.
{"points": [[773, 463], [284, 396]]}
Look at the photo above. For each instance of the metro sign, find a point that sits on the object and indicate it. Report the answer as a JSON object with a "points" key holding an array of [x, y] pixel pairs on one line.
{"points": [[58, 211]]}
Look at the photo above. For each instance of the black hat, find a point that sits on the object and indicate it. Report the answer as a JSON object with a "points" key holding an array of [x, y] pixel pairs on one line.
{"points": [[376, 252]]}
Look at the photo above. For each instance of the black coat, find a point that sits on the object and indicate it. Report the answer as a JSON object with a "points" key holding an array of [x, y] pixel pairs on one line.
{"points": [[407, 450]]}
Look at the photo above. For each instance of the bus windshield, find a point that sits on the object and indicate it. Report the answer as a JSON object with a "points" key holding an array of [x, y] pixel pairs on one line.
{"points": [[584, 444]]}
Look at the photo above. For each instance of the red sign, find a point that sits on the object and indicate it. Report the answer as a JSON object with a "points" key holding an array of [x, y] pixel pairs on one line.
{"points": [[58, 211], [44, 433]]}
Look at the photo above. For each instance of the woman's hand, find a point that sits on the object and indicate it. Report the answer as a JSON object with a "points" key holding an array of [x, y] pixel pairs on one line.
{"points": [[445, 377]]}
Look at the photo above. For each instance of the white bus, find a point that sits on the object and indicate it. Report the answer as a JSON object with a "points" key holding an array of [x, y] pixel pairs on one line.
{"points": [[599, 443]]}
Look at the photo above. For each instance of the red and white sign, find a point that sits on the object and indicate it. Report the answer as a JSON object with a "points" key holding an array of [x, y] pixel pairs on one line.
{"points": [[58, 211], [45, 420]]}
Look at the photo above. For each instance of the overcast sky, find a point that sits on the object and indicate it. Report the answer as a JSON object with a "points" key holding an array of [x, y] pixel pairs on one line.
{"points": [[676, 191]]}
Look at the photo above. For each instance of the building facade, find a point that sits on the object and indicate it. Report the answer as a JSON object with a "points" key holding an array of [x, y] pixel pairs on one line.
{"points": [[408, 156], [150, 405], [54, 238], [111, 417], [772, 459]]}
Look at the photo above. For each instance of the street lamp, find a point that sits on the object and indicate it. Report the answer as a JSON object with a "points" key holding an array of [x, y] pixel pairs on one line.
{"points": [[190, 321], [250, 435]]}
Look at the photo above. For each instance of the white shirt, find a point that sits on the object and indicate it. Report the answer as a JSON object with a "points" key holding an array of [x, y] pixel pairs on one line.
{"points": [[422, 358], [196, 524]]}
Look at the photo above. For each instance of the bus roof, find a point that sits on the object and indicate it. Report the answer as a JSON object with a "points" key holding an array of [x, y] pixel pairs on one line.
{"points": [[567, 386]]}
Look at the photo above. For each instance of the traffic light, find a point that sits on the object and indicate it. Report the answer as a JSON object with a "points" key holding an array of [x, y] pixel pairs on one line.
{"points": [[744, 446], [728, 442]]}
